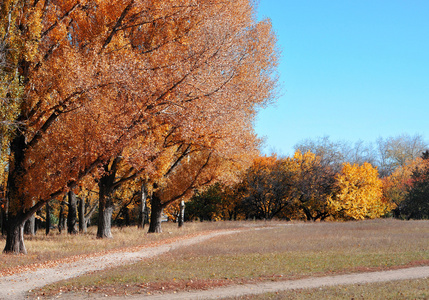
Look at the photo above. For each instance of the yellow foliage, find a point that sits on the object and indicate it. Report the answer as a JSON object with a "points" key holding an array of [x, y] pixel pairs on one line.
{"points": [[358, 193]]}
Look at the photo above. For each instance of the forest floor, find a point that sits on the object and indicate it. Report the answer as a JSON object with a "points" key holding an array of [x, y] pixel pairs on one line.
{"points": [[17, 285]]}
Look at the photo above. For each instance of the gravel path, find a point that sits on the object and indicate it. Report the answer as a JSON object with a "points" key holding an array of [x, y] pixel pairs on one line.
{"points": [[16, 286]]}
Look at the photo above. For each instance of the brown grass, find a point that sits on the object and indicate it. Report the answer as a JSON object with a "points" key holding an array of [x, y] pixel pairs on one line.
{"points": [[406, 289], [42, 248], [300, 250]]}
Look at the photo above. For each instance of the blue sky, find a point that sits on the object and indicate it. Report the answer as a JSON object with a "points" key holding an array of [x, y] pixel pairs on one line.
{"points": [[351, 70]]}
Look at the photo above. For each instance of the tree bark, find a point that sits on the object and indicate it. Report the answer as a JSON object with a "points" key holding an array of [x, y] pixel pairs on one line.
{"points": [[181, 213], [105, 208], [62, 217], [16, 215], [30, 226], [71, 216], [142, 211], [48, 218], [82, 221], [15, 236], [156, 215], [3, 220]]}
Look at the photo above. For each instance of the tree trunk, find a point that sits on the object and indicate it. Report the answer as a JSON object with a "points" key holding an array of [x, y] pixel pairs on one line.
{"points": [[48, 218], [126, 214], [62, 217], [181, 213], [105, 208], [16, 216], [71, 216], [156, 215], [15, 236], [3, 210], [30, 226], [142, 211], [82, 221], [105, 211]]}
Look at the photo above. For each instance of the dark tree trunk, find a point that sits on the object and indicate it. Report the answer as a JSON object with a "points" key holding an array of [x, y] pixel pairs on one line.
{"points": [[181, 213], [3, 220], [16, 216], [126, 214], [105, 211], [30, 226], [105, 207], [48, 218], [142, 210], [82, 220], [15, 236], [62, 217], [106, 187], [156, 215], [71, 216]]}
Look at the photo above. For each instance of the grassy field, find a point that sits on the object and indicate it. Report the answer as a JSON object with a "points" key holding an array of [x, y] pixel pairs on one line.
{"points": [[42, 248], [286, 251], [406, 289]]}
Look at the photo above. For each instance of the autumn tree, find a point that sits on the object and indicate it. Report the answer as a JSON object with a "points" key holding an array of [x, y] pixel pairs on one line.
{"points": [[267, 188], [415, 204], [94, 74], [358, 193], [313, 183], [192, 168], [397, 185]]}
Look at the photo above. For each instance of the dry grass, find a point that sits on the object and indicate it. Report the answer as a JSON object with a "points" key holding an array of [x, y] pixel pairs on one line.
{"points": [[303, 249], [407, 289], [42, 248]]}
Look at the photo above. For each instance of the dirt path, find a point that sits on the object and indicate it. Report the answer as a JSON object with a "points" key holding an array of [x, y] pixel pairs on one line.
{"points": [[270, 287], [16, 286]]}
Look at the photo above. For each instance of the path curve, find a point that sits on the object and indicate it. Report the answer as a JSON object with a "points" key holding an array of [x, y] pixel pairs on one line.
{"points": [[272, 287], [16, 286]]}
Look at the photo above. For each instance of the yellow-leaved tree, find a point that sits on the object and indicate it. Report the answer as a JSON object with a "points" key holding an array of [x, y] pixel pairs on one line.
{"points": [[358, 193]]}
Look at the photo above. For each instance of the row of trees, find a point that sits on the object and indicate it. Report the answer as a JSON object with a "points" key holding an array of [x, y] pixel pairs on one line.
{"points": [[310, 187], [300, 187], [96, 95]]}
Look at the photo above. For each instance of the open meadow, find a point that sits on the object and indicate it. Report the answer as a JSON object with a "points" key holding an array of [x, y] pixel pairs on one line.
{"points": [[260, 251]]}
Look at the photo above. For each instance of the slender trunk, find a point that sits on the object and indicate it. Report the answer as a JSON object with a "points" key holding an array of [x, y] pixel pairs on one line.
{"points": [[62, 217], [142, 210], [3, 220], [71, 216], [105, 209], [30, 226], [126, 214], [181, 213], [48, 218], [15, 236], [88, 217], [82, 221], [156, 215]]}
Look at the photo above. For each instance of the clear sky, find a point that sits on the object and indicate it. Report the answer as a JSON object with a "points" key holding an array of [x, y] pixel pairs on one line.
{"points": [[351, 70]]}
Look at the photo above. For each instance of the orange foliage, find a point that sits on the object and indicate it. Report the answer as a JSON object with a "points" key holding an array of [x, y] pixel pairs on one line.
{"points": [[98, 75]]}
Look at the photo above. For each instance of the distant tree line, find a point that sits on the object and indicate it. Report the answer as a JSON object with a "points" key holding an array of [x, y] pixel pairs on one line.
{"points": [[326, 180]]}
